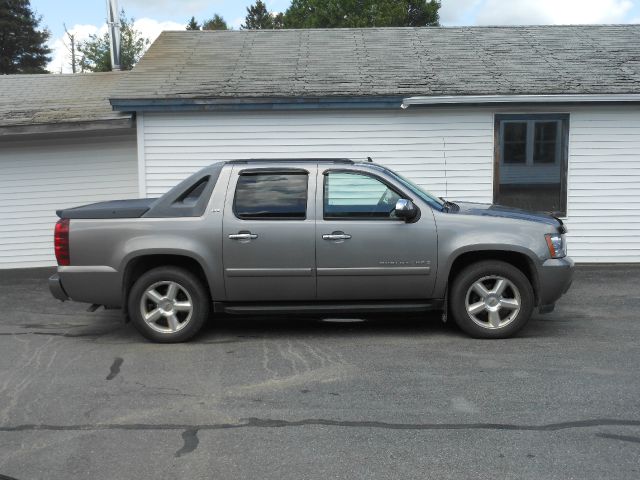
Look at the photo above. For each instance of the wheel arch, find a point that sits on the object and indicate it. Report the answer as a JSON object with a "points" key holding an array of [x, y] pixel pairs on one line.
{"points": [[137, 265], [522, 261]]}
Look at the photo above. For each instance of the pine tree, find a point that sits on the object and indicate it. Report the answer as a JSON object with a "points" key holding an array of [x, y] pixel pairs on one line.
{"points": [[193, 25], [23, 47], [215, 23], [259, 18]]}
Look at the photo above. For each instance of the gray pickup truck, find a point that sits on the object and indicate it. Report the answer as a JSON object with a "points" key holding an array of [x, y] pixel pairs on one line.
{"points": [[321, 237]]}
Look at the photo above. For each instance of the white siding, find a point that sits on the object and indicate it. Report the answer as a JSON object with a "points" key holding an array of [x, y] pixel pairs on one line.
{"points": [[412, 142], [39, 177], [604, 184], [448, 151]]}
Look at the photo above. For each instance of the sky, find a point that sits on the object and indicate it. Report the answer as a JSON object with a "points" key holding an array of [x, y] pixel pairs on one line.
{"points": [[84, 17]]}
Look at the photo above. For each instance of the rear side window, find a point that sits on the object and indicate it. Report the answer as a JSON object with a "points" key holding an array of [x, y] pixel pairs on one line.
{"points": [[271, 196], [191, 196]]}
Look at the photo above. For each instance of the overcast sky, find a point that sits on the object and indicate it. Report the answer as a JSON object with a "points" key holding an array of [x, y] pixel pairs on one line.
{"points": [[84, 17]]}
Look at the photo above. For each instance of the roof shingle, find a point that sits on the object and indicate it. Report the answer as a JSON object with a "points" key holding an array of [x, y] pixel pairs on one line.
{"points": [[46, 99], [388, 62]]}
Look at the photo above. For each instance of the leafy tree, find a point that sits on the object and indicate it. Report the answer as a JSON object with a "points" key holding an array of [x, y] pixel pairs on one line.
{"points": [[215, 23], [23, 44], [193, 25], [259, 18], [278, 20], [423, 13], [97, 54], [361, 13]]}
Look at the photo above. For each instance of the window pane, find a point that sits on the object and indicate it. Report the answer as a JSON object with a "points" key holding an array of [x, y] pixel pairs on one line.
{"points": [[515, 142], [536, 183], [271, 196], [545, 139], [352, 195]]}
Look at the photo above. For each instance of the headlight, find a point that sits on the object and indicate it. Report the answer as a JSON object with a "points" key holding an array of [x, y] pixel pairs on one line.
{"points": [[557, 244]]}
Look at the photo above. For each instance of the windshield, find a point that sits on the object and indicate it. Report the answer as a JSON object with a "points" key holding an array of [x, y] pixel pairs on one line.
{"points": [[423, 194]]}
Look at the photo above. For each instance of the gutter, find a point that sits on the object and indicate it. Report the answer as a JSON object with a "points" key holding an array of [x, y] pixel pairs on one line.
{"points": [[520, 99], [235, 104], [14, 131], [232, 104]]}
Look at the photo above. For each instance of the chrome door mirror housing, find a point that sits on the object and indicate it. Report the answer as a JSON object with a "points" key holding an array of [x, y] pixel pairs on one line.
{"points": [[406, 209]]}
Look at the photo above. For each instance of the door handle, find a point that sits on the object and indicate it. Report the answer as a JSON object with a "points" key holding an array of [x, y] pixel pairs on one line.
{"points": [[243, 236], [336, 236]]}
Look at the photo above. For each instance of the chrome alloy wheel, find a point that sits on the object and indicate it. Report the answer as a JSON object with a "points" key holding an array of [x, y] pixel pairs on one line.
{"points": [[166, 307], [493, 302]]}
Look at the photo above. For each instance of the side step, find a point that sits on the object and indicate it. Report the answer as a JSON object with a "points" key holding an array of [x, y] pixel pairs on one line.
{"points": [[332, 308]]}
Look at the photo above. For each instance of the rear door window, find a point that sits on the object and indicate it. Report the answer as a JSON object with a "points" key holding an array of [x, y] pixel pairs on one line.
{"points": [[271, 196]]}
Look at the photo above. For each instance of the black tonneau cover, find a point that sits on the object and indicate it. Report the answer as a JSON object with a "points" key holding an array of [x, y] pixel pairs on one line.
{"points": [[187, 199], [114, 209]]}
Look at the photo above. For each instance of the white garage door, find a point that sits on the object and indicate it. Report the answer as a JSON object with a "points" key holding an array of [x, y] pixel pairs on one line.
{"points": [[39, 177]]}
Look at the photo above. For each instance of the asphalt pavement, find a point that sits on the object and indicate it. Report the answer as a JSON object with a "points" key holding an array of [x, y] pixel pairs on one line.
{"points": [[83, 396]]}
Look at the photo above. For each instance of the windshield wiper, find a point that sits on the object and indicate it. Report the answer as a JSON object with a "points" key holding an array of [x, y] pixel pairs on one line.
{"points": [[449, 206]]}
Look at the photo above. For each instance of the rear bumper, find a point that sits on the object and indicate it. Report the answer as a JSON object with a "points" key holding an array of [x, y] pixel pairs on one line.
{"points": [[554, 280], [101, 285], [55, 287]]}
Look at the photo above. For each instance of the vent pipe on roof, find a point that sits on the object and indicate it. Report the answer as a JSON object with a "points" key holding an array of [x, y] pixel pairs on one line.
{"points": [[113, 24]]}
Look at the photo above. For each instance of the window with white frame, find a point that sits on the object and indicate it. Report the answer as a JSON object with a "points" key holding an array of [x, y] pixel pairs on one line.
{"points": [[531, 161]]}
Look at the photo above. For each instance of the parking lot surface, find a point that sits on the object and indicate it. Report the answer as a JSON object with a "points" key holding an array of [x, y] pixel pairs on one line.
{"points": [[82, 395]]}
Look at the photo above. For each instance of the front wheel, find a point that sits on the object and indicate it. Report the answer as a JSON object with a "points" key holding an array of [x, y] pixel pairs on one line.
{"points": [[168, 305], [491, 299]]}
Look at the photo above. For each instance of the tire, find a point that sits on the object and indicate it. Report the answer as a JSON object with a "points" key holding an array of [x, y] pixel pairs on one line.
{"points": [[175, 301], [500, 309]]}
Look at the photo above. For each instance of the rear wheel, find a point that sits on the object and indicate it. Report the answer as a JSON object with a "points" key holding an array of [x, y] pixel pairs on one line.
{"points": [[168, 304], [491, 299]]}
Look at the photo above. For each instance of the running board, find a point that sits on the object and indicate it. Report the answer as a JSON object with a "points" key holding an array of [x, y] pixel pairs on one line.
{"points": [[326, 308]]}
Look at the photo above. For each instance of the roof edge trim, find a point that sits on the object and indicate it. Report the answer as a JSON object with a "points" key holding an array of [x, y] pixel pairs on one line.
{"points": [[522, 99], [240, 104], [64, 127]]}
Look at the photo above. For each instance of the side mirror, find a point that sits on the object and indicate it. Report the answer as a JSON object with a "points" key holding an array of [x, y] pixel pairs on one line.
{"points": [[406, 209]]}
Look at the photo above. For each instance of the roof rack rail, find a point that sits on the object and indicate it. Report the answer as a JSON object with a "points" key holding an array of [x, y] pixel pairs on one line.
{"points": [[288, 160]]}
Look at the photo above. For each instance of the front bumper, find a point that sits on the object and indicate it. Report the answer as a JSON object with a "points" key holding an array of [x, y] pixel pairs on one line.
{"points": [[55, 286], [554, 280]]}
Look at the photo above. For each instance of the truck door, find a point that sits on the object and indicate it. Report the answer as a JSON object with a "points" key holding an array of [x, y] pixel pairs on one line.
{"points": [[363, 251], [269, 233]]}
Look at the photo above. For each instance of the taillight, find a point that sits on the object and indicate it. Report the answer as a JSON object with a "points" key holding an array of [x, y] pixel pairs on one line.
{"points": [[61, 241]]}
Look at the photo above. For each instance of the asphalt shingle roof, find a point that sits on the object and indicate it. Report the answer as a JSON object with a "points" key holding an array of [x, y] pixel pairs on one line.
{"points": [[388, 62], [46, 99]]}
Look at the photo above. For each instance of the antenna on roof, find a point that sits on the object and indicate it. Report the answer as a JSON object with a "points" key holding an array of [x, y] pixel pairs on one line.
{"points": [[369, 160], [113, 24]]}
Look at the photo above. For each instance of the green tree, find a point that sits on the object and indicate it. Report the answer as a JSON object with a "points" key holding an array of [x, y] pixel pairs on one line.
{"points": [[23, 44], [193, 25], [259, 18], [215, 23], [97, 54], [361, 13], [423, 13]]}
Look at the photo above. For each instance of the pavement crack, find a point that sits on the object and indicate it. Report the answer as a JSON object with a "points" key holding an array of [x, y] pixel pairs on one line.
{"points": [[53, 334], [115, 368], [624, 438], [191, 441], [271, 423]]}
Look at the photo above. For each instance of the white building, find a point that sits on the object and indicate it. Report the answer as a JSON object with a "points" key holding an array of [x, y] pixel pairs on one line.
{"points": [[61, 145], [547, 118]]}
